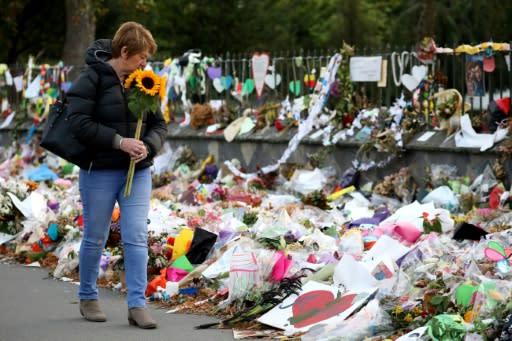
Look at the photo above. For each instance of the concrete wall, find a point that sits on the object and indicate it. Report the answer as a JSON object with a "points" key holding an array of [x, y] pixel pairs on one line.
{"points": [[262, 149], [265, 148]]}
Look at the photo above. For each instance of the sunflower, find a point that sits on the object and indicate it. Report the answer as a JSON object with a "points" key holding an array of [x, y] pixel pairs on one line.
{"points": [[163, 85], [129, 82], [148, 82]]}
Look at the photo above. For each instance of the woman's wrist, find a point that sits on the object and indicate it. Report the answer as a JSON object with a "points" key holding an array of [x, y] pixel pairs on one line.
{"points": [[117, 142]]}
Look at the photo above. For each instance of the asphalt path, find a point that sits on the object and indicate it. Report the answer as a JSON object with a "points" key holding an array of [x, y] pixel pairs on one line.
{"points": [[35, 307]]}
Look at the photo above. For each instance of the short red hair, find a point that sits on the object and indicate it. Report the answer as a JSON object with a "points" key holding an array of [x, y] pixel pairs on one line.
{"points": [[135, 37]]}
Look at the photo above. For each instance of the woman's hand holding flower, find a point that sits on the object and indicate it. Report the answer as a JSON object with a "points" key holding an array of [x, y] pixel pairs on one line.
{"points": [[135, 148]]}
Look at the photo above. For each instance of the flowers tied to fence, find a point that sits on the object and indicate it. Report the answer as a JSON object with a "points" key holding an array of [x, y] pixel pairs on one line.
{"points": [[144, 90]]}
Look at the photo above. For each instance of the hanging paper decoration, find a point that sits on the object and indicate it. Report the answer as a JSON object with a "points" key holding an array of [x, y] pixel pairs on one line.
{"points": [[217, 84], [309, 80], [222, 83], [34, 88], [226, 81], [273, 80], [260, 62], [295, 87], [411, 81], [248, 87], [497, 253], [214, 72]]}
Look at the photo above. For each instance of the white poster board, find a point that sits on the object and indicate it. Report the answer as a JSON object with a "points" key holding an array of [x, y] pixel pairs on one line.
{"points": [[316, 303], [365, 69]]}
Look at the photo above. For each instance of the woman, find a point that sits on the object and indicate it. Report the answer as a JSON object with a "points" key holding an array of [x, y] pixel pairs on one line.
{"points": [[100, 119]]}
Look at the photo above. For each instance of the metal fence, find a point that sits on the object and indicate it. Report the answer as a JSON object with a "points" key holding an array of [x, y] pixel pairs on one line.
{"points": [[295, 66]]}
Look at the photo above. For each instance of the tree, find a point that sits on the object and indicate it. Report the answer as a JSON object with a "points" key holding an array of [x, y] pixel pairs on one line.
{"points": [[80, 32]]}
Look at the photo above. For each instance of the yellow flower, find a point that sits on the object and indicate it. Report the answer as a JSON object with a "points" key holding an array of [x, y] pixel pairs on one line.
{"points": [[398, 309], [167, 114], [163, 83], [416, 310], [408, 317], [129, 82], [148, 82]]}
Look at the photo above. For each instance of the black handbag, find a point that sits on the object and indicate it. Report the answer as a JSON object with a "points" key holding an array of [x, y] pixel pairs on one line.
{"points": [[57, 137]]}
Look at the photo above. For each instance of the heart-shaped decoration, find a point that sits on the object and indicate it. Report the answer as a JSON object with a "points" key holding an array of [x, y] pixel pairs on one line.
{"points": [[309, 81], [259, 62], [226, 81], [214, 72], [489, 64], [273, 80], [248, 87], [419, 72], [295, 87], [409, 82], [317, 306], [217, 84]]}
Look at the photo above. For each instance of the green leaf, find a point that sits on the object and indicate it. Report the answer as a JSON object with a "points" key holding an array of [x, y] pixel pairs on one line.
{"points": [[282, 243], [436, 300]]}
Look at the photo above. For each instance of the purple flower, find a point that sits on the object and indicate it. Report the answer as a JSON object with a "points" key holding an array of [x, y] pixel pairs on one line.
{"points": [[334, 89]]}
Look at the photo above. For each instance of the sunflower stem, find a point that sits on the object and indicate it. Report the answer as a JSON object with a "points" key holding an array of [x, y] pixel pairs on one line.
{"points": [[131, 169]]}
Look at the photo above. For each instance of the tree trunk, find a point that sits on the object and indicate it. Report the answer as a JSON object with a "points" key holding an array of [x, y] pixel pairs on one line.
{"points": [[80, 33]]}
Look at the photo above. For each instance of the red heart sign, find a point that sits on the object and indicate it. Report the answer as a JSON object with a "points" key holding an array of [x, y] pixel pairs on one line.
{"points": [[317, 306]]}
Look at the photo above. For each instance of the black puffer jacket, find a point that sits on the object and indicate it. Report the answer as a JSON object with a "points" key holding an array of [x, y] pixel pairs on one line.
{"points": [[98, 110]]}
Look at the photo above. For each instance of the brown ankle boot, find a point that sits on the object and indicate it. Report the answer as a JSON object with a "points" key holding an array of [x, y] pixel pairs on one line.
{"points": [[140, 317], [91, 311]]}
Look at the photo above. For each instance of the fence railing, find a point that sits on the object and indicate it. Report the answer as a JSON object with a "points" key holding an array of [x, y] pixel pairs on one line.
{"points": [[300, 67]]}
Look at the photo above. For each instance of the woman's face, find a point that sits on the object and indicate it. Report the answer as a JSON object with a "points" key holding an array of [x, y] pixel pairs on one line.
{"points": [[135, 61]]}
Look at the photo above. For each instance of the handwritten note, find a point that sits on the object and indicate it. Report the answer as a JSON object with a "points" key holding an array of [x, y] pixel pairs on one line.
{"points": [[365, 69]]}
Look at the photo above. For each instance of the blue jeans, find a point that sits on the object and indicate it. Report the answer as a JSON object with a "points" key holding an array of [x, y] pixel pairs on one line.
{"points": [[99, 191]]}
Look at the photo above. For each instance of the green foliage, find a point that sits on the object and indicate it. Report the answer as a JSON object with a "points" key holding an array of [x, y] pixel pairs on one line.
{"points": [[440, 302], [31, 28], [273, 243], [250, 218], [38, 27], [316, 198], [431, 225]]}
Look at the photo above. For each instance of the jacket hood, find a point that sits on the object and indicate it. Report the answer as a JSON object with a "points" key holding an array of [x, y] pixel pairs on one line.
{"points": [[99, 52]]}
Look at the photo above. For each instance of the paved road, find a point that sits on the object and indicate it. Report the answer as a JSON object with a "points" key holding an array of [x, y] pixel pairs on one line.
{"points": [[37, 308]]}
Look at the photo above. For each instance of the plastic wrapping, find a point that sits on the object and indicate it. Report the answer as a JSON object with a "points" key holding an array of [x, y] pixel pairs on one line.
{"points": [[306, 181], [484, 182], [442, 173], [443, 197], [249, 268], [351, 242]]}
